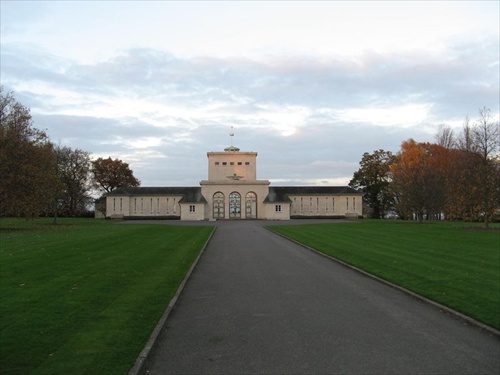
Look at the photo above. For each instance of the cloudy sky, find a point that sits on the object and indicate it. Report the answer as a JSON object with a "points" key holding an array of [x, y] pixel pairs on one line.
{"points": [[310, 86]]}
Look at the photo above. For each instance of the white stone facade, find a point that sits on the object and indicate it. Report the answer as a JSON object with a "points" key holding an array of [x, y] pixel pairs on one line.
{"points": [[233, 192]]}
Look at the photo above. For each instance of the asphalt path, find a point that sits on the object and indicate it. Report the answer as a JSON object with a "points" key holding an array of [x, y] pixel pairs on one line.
{"points": [[260, 304]]}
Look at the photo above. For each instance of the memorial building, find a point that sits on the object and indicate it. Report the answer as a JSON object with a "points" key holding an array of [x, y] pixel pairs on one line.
{"points": [[233, 192]]}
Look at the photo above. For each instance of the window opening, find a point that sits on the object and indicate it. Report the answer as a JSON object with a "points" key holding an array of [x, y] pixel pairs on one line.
{"points": [[251, 205], [218, 206], [234, 205]]}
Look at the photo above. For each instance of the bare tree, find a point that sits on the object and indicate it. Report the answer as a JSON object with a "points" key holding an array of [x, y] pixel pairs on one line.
{"points": [[465, 140], [486, 135], [480, 146], [445, 136]]}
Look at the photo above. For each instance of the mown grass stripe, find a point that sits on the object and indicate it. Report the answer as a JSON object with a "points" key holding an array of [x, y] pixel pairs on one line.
{"points": [[82, 297]]}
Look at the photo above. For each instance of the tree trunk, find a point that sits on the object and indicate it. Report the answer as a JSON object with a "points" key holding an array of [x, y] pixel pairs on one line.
{"points": [[486, 224]]}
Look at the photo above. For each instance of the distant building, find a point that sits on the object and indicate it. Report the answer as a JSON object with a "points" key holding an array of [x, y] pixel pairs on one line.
{"points": [[233, 192]]}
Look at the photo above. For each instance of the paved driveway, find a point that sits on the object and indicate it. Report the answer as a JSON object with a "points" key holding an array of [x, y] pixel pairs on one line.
{"points": [[260, 304]]}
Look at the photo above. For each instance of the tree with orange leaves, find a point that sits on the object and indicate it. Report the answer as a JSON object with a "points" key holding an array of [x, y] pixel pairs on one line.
{"points": [[418, 179], [460, 178], [109, 174]]}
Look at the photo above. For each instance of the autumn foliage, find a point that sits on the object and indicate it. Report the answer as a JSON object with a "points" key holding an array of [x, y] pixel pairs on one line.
{"points": [[27, 163], [418, 179], [109, 174], [37, 177], [457, 178]]}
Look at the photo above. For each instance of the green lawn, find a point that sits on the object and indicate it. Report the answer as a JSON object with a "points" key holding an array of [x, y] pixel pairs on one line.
{"points": [[456, 264], [83, 296]]}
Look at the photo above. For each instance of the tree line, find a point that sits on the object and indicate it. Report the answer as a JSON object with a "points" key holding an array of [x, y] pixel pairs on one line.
{"points": [[38, 177], [456, 178]]}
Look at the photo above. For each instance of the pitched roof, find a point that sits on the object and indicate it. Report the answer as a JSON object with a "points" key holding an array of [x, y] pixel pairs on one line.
{"points": [[282, 193], [276, 193], [189, 194], [312, 190], [193, 195]]}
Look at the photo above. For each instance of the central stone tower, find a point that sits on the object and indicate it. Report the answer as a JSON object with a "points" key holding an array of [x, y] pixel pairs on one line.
{"points": [[232, 189]]}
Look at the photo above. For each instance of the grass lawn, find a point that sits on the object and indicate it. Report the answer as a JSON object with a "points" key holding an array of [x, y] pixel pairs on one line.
{"points": [[456, 264], [83, 296]]}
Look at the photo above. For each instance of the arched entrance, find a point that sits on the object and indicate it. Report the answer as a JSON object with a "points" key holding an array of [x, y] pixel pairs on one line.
{"points": [[251, 205], [218, 205], [234, 205]]}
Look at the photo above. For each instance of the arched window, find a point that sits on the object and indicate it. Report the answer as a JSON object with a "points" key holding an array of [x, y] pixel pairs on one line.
{"points": [[218, 205], [251, 205], [235, 205]]}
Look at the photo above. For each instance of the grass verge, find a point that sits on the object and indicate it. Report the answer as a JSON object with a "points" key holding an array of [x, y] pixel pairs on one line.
{"points": [[83, 296], [455, 264]]}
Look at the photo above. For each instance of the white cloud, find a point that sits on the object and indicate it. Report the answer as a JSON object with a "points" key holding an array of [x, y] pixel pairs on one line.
{"points": [[339, 181], [94, 31], [401, 116], [309, 85]]}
